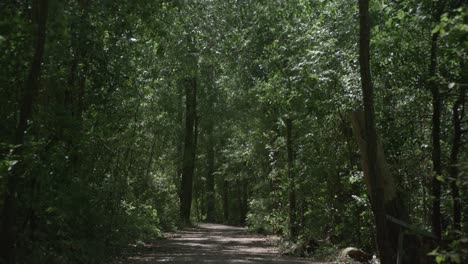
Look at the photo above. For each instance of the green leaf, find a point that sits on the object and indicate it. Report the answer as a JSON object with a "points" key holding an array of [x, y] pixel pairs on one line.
{"points": [[440, 178], [401, 14], [440, 259], [314, 76], [389, 22], [3, 164]]}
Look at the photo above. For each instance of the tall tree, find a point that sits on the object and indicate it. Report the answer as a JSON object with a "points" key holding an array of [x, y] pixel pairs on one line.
{"points": [[376, 180], [210, 145], [31, 86], [188, 166], [293, 225], [458, 110], [437, 9], [210, 177]]}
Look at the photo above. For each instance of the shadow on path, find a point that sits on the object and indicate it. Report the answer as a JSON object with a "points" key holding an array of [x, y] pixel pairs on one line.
{"points": [[213, 243]]}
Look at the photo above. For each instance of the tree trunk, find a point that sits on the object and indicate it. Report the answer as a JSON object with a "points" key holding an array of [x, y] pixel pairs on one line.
{"points": [[376, 181], [179, 142], [210, 191], [293, 230], [239, 199], [436, 160], [456, 143], [246, 198], [210, 152], [275, 181], [226, 201], [8, 228], [394, 206], [189, 150]]}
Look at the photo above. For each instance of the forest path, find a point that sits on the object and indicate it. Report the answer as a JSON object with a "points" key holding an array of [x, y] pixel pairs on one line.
{"points": [[212, 243]]}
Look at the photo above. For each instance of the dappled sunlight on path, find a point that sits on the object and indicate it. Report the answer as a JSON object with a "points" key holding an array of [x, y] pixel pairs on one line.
{"points": [[212, 243]]}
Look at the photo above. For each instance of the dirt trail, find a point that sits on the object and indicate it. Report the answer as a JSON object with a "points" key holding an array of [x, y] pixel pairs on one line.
{"points": [[212, 243]]}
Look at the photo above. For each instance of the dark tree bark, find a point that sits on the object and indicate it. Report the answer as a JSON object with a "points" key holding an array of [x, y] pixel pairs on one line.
{"points": [[436, 161], [436, 112], [242, 187], [180, 141], [293, 228], [210, 190], [188, 166], [456, 143], [458, 111], [8, 228], [226, 201], [210, 150], [245, 199], [376, 181], [393, 203]]}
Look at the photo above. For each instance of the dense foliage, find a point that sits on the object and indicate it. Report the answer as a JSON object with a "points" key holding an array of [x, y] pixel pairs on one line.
{"points": [[124, 119]]}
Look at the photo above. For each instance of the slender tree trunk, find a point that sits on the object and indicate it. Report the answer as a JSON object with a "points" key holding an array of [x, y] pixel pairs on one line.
{"points": [[453, 171], [293, 230], [180, 140], [210, 190], [272, 159], [226, 201], [246, 198], [239, 200], [242, 188], [458, 112], [436, 159], [210, 151], [376, 181], [189, 150], [424, 200], [9, 217]]}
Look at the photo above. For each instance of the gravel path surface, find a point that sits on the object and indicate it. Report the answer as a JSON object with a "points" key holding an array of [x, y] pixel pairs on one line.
{"points": [[212, 243]]}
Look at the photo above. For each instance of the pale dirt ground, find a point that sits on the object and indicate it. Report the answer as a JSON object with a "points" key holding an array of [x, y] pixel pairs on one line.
{"points": [[211, 243]]}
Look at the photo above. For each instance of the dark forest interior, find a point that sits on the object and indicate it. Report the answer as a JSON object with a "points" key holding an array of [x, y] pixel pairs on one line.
{"points": [[330, 124]]}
